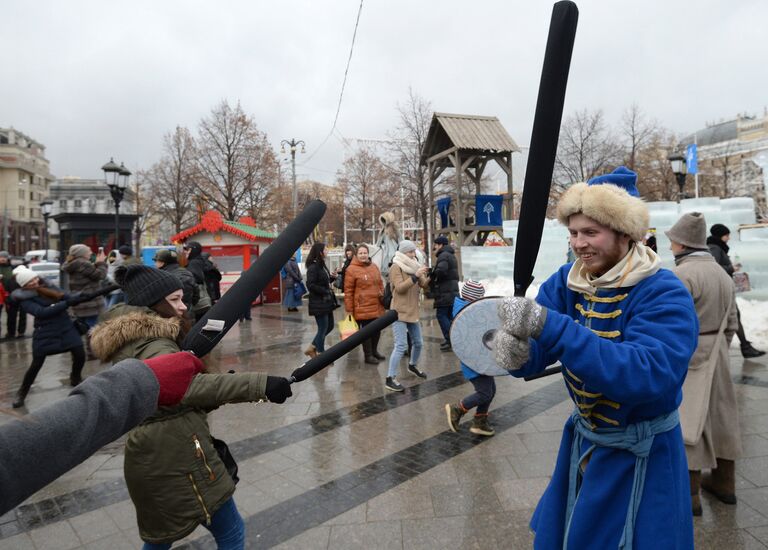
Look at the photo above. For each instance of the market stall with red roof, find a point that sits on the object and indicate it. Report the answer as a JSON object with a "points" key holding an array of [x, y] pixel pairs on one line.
{"points": [[233, 246]]}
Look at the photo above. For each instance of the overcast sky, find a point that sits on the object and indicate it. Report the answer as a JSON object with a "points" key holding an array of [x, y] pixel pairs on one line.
{"points": [[95, 79]]}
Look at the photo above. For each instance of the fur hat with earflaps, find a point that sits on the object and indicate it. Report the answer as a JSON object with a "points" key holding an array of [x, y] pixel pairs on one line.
{"points": [[611, 200]]}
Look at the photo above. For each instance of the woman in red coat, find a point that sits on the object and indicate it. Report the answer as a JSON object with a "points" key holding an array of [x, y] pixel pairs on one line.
{"points": [[363, 292]]}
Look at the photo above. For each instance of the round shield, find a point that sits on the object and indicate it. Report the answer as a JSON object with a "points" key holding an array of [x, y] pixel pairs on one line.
{"points": [[472, 333]]}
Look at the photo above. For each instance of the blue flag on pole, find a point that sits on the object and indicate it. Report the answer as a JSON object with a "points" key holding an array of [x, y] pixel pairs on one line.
{"points": [[691, 159]]}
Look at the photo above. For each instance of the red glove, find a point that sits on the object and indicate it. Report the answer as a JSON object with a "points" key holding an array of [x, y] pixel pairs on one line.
{"points": [[174, 372]]}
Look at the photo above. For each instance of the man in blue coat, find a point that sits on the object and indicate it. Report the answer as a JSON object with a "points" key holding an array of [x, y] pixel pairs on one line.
{"points": [[624, 330]]}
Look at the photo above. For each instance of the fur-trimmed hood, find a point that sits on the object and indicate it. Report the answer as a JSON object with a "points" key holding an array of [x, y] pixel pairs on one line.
{"points": [[126, 324], [390, 227], [607, 204]]}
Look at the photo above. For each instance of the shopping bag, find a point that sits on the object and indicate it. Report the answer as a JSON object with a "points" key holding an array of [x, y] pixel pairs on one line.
{"points": [[347, 326], [299, 290]]}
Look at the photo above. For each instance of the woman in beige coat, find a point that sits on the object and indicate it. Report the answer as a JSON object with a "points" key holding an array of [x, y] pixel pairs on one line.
{"points": [[709, 413], [407, 277]]}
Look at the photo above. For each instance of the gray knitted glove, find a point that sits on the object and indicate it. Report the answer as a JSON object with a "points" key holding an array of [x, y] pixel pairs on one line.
{"points": [[522, 317], [511, 352]]}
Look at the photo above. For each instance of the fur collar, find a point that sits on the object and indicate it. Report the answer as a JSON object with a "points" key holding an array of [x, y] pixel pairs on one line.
{"points": [[111, 335]]}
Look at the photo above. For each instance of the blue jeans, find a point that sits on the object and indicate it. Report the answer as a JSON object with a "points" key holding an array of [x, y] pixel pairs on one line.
{"points": [[324, 328], [444, 318], [400, 331], [485, 390], [226, 527]]}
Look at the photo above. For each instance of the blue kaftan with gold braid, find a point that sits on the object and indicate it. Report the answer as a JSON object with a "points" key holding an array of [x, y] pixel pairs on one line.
{"points": [[625, 354]]}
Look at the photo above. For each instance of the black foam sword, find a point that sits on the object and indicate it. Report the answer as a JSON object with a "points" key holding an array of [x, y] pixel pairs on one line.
{"points": [[543, 149]]}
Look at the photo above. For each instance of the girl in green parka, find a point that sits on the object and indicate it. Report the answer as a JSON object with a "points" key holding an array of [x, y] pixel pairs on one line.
{"points": [[174, 475]]}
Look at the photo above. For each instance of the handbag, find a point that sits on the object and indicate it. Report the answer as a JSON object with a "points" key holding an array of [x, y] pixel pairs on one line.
{"points": [[386, 300], [347, 326], [299, 290], [222, 449], [81, 326]]}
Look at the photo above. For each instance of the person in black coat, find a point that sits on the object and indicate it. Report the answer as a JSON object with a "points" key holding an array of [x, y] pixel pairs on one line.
{"points": [[197, 265], [168, 260], [212, 277], [322, 300], [54, 330], [445, 277], [718, 247]]}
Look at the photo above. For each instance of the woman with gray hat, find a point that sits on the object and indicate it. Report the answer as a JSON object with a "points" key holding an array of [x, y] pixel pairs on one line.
{"points": [[407, 276], [709, 413]]}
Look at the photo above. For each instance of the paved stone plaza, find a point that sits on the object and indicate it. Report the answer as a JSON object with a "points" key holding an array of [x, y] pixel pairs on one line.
{"points": [[342, 464]]}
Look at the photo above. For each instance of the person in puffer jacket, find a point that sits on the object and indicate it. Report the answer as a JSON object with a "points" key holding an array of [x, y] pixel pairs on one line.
{"points": [[174, 475]]}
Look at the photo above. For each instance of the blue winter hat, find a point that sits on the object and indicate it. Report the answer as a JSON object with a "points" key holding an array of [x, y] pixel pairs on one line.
{"points": [[621, 177]]}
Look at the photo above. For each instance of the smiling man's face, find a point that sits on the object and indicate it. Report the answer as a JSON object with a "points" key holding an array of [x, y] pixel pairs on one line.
{"points": [[598, 246]]}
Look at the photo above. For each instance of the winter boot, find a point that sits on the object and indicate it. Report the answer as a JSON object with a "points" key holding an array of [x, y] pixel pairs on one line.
{"points": [[368, 352], [480, 425], [454, 414], [375, 347], [21, 395], [722, 481], [695, 477], [748, 352], [311, 351]]}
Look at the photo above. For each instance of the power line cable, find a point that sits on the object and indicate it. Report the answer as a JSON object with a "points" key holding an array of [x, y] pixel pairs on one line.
{"points": [[343, 84]]}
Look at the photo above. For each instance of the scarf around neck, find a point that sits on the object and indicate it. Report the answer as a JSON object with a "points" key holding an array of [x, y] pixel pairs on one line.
{"points": [[639, 263], [409, 265]]}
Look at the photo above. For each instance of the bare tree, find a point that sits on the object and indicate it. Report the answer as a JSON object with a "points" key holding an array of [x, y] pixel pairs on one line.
{"points": [[235, 166], [638, 131], [171, 181], [146, 208], [368, 189], [586, 148], [407, 144], [655, 179]]}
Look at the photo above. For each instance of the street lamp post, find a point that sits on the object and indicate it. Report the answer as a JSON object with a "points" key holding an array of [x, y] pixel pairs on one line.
{"points": [[679, 169], [46, 207], [116, 178], [293, 144]]}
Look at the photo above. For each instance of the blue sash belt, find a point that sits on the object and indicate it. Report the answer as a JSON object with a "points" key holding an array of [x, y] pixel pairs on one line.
{"points": [[636, 438]]}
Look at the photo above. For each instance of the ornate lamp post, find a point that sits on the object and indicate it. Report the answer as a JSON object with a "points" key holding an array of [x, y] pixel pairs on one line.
{"points": [[293, 144], [46, 207], [116, 178], [679, 169]]}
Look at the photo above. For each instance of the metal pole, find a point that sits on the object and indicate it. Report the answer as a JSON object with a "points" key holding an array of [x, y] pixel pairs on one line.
{"points": [[295, 197], [117, 224], [696, 175], [5, 224]]}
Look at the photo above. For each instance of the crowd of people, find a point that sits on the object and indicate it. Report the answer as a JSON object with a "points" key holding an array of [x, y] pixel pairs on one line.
{"points": [[644, 355]]}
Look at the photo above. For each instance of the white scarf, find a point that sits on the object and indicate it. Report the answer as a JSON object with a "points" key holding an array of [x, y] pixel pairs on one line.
{"points": [[407, 264], [639, 263]]}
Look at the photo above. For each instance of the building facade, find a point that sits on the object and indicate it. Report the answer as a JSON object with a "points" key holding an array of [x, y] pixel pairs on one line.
{"points": [[76, 196], [25, 178], [733, 159]]}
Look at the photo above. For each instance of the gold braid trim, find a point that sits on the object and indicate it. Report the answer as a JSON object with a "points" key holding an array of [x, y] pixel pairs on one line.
{"points": [[609, 403], [596, 314], [604, 419], [582, 393], [572, 375], [608, 333], [605, 300]]}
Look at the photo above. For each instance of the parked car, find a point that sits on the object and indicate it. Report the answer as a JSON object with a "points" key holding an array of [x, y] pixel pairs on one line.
{"points": [[49, 255], [50, 271]]}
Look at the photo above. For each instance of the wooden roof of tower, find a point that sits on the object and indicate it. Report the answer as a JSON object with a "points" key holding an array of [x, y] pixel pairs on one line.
{"points": [[472, 133], [466, 144]]}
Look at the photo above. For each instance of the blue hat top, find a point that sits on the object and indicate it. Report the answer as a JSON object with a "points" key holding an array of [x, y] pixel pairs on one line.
{"points": [[621, 177]]}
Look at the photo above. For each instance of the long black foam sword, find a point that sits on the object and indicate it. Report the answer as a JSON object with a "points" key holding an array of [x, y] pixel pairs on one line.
{"points": [[543, 148], [316, 364], [225, 313]]}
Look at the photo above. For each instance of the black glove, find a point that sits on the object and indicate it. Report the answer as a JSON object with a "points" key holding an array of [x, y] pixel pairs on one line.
{"points": [[278, 389]]}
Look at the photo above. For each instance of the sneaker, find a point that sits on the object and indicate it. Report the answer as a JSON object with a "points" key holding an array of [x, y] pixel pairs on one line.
{"points": [[454, 414], [748, 352], [416, 372], [445, 345], [392, 384], [480, 426], [446, 348]]}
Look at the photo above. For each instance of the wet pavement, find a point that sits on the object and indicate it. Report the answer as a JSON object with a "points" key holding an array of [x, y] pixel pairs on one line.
{"points": [[344, 464]]}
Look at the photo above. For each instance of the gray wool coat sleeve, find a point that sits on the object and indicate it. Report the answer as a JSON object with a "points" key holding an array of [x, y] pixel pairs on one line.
{"points": [[45, 444]]}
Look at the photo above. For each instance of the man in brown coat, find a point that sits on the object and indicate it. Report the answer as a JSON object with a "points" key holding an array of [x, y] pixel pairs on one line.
{"points": [[709, 413]]}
